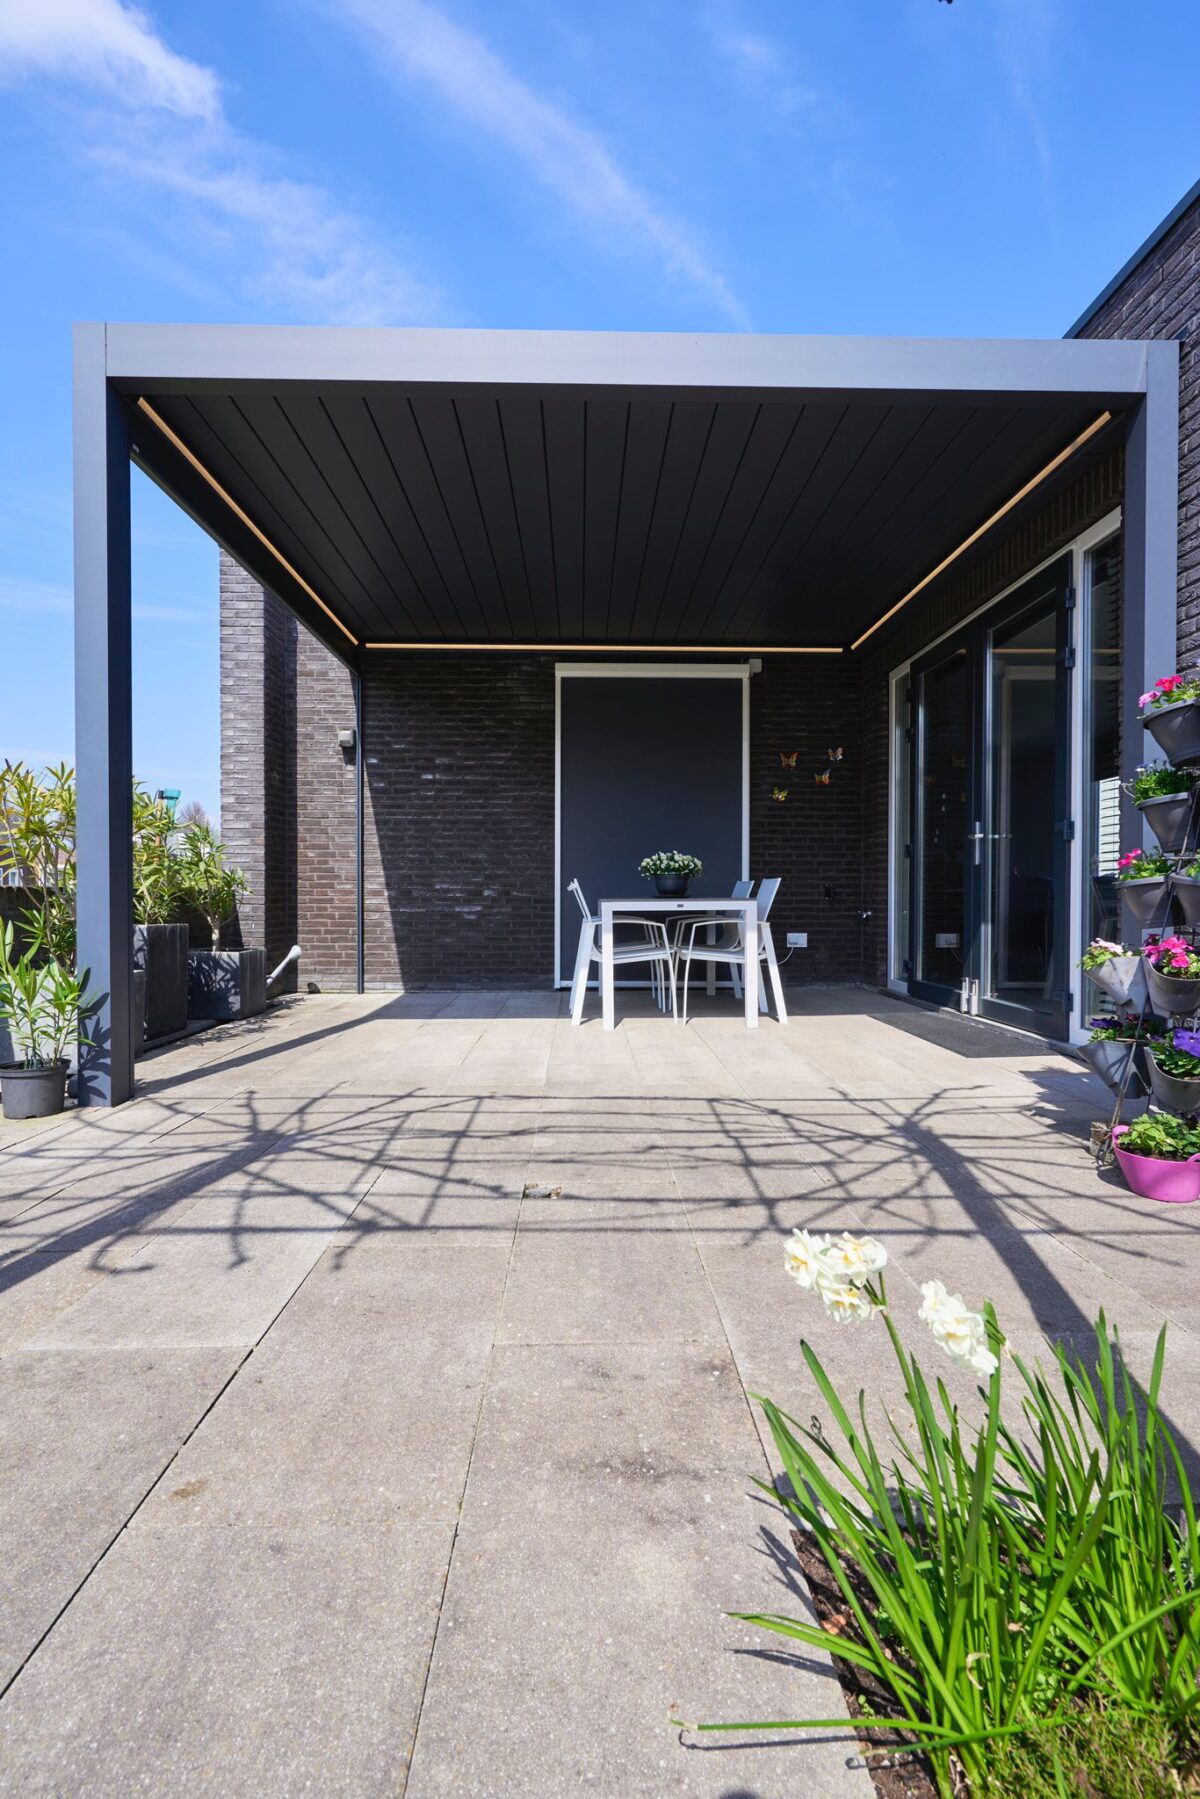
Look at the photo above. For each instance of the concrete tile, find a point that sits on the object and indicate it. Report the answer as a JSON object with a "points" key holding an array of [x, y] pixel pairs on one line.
{"points": [[639, 1285], [233, 1663], [471, 1205], [189, 1291], [83, 1437], [607, 1527], [390, 1357], [37, 1287]]}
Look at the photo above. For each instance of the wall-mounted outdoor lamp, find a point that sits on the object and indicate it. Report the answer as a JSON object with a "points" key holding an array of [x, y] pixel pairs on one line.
{"points": [[348, 740]]}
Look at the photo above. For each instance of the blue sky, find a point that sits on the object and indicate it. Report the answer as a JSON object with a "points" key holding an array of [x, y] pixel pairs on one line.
{"points": [[897, 166]]}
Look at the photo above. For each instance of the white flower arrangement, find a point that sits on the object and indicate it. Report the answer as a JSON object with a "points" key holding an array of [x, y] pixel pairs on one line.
{"points": [[847, 1273], [670, 862]]}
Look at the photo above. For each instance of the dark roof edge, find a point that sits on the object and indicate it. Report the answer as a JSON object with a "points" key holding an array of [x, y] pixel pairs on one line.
{"points": [[1139, 256]]}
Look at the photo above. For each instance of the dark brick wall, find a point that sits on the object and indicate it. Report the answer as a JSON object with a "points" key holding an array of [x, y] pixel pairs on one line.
{"points": [[1161, 298]]}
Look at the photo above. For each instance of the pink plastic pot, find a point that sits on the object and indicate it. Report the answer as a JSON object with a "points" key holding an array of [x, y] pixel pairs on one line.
{"points": [[1173, 1183]]}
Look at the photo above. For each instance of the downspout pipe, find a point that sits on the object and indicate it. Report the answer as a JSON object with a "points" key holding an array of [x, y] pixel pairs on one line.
{"points": [[359, 946]]}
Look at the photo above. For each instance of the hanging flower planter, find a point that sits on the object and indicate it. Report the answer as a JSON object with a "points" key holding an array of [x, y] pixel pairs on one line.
{"points": [[1185, 890], [1109, 1059], [1169, 816], [1147, 900], [1119, 973], [1173, 975], [1171, 714]]}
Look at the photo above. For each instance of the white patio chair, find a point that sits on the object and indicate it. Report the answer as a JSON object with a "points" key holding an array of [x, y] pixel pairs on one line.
{"points": [[730, 949], [679, 926], [654, 947]]}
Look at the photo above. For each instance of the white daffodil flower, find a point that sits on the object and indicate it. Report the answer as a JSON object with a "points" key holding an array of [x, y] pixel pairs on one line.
{"points": [[961, 1332], [845, 1303], [856, 1259], [803, 1257]]}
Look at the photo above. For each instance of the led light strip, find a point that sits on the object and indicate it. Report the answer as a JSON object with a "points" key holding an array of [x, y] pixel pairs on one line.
{"points": [[249, 523], [620, 649], [1097, 424]]}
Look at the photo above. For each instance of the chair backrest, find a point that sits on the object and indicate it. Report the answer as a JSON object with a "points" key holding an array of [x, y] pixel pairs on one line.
{"points": [[577, 890], [766, 896], [742, 889]]}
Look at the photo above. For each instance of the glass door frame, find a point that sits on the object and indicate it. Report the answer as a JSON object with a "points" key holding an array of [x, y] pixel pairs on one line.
{"points": [[974, 637]]}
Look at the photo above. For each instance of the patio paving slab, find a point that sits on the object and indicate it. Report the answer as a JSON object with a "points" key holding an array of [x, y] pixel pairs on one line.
{"points": [[608, 1507], [643, 1284], [233, 1663], [83, 1437]]}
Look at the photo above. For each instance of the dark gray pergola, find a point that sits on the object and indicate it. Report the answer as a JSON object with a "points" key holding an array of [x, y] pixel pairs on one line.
{"points": [[441, 490]]}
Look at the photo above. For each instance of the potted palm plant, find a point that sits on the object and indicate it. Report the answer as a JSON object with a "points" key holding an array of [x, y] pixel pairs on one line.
{"points": [[1173, 974], [1164, 796], [42, 1004], [222, 983], [1118, 972], [1175, 1071], [1142, 881], [1171, 714], [160, 947], [670, 870]]}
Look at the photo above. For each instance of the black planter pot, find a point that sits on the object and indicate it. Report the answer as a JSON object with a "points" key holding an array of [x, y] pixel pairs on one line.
{"points": [[1169, 994], [226, 983], [139, 1008], [1146, 899], [1108, 1061], [1169, 817], [1185, 890], [1176, 730], [1171, 1091], [671, 886], [34, 1092], [160, 951]]}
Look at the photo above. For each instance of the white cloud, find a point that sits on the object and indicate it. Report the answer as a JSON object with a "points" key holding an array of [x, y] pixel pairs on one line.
{"points": [[567, 158], [763, 67], [286, 244], [37, 597], [104, 42]]}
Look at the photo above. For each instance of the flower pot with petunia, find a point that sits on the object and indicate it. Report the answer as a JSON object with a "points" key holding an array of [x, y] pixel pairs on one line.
{"points": [[1173, 975], [1143, 883], [670, 870], [1175, 1071], [1171, 714], [1116, 1047], [1185, 891], [1159, 1155], [1165, 797], [1119, 972]]}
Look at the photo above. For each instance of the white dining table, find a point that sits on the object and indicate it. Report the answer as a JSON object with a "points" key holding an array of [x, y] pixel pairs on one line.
{"points": [[612, 911]]}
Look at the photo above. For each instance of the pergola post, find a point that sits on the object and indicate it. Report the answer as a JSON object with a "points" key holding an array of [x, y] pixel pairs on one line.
{"points": [[1151, 557], [103, 725]]}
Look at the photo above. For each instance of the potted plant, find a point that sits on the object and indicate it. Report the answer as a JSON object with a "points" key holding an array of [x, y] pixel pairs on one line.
{"points": [[1175, 1071], [1185, 887], [670, 870], [1164, 797], [1159, 1155], [41, 1003], [1171, 714], [1117, 971], [1142, 877], [222, 983], [160, 947], [1114, 1044], [1173, 974]]}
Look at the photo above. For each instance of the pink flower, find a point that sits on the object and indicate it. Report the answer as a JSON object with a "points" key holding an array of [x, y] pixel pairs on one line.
{"points": [[1167, 682], [1180, 961], [1127, 861], [1145, 700]]}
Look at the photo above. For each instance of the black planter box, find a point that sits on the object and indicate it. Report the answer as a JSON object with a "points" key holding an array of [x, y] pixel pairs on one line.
{"points": [[226, 983], [160, 951]]}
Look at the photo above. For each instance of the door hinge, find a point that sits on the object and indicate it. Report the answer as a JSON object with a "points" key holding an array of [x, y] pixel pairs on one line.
{"points": [[1067, 659], [1069, 600], [906, 967], [908, 850], [1066, 829], [1064, 998]]}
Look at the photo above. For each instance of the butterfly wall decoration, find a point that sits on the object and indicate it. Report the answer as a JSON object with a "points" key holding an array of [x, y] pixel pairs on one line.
{"points": [[779, 793], [787, 759]]}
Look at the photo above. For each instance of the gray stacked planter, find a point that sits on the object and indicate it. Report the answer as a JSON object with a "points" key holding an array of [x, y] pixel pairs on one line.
{"points": [[1147, 900], [1172, 1091], [226, 983], [1169, 817], [1123, 979], [160, 951], [1185, 890], [1170, 994], [1176, 730], [1108, 1061]]}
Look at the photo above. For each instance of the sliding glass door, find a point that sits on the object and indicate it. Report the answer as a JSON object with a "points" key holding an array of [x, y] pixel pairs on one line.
{"points": [[990, 780]]}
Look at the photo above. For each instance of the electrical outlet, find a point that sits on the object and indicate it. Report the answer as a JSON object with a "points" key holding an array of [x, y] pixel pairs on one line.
{"points": [[945, 940], [797, 939]]}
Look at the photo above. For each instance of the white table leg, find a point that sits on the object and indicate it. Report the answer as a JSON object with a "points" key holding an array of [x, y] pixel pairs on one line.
{"points": [[751, 976], [606, 969]]}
